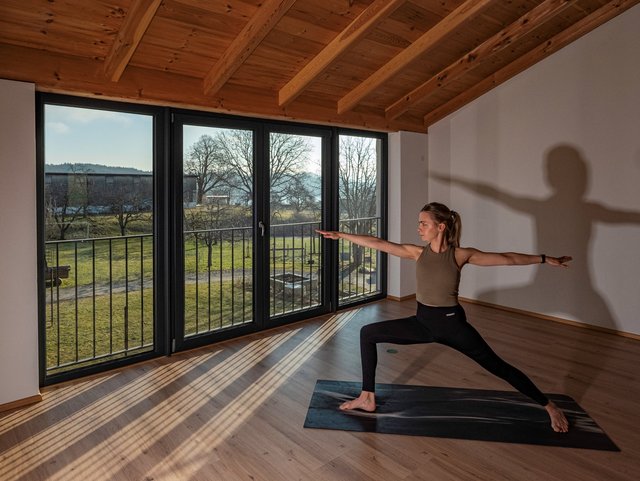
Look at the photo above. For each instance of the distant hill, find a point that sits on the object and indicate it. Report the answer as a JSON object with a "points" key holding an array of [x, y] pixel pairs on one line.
{"points": [[90, 168]]}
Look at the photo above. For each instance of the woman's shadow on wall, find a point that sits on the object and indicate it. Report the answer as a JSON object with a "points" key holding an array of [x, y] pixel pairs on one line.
{"points": [[564, 224]]}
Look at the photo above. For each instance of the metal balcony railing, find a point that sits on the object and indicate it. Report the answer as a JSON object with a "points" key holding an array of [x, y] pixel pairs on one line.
{"points": [[99, 299], [99, 292], [295, 267], [218, 279], [358, 267]]}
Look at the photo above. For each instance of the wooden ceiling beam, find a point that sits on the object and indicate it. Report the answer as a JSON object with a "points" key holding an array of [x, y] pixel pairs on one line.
{"points": [[562, 39], [483, 52], [356, 31], [464, 13], [72, 75], [126, 42], [264, 20]]}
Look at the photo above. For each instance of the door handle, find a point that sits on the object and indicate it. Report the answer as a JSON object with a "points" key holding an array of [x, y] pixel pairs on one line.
{"points": [[261, 225]]}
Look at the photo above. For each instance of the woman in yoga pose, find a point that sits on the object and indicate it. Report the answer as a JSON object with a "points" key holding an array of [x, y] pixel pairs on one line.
{"points": [[439, 317]]}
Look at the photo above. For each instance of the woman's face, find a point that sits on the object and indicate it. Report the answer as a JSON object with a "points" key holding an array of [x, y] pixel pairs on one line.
{"points": [[428, 228]]}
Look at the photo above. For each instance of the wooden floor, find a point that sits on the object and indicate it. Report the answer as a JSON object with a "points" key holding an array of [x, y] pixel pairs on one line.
{"points": [[235, 411]]}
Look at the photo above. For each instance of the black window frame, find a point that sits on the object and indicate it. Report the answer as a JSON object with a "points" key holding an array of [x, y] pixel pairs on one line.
{"points": [[165, 233]]}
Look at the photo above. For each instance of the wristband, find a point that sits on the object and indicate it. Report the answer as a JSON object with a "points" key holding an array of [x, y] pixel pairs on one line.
{"points": [[543, 258]]}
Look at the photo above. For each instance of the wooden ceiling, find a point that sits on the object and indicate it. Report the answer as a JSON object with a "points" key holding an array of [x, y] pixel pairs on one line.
{"points": [[373, 64]]}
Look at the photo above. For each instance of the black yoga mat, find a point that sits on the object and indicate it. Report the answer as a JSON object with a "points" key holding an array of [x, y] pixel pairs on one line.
{"points": [[484, 415]]}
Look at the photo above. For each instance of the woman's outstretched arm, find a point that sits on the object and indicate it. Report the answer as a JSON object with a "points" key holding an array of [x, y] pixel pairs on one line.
{"points": [[469, 255], [407, 251]]}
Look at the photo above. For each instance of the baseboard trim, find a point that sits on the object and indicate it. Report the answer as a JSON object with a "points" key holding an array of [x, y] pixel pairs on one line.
{"points": [[546, 317], [20, 403], [400, 299]]}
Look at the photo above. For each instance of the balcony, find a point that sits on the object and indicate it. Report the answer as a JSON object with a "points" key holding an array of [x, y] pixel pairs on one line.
{"points": [[99, 292]]}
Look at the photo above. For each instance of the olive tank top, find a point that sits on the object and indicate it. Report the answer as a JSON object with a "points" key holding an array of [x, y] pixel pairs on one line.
{"points": [[437, 278]]}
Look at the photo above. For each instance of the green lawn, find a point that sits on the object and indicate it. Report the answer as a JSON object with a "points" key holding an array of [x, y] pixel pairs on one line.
{"points": [[93, 327], [99, 327], [117, 259], [95, 317]]}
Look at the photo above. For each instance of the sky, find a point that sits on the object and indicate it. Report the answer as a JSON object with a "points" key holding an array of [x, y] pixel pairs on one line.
{"points": [[118, 139], [77, 135]]}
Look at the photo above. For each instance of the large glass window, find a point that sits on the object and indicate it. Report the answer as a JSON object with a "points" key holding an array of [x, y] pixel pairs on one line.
{"points": [[98, 226], [218, 239], [153, 242], [295, 250], [359, 206]]}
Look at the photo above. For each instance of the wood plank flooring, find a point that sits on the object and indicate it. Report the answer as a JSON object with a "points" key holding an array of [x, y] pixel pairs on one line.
{"points": [[235, 410]]}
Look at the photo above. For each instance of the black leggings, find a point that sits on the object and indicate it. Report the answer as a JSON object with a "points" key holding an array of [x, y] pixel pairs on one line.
{"points": [[444, 325]]}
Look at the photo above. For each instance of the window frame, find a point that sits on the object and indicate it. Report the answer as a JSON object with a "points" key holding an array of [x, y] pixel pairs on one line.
{"points": [[165, 182]]}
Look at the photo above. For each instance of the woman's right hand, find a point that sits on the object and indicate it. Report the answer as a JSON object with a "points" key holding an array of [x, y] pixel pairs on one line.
{"points": [[329, 234]]}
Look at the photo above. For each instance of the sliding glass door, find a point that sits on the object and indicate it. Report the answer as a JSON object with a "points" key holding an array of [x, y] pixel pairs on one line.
{"points": [[216, 238], [251, 199], [296, 257]]}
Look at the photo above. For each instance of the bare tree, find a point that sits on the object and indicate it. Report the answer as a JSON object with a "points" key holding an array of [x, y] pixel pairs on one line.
{"points": [[287, 155], [127, 199], [205, 161], [298, 193], [358, 180], [205, 220], [357, 177], [236, 147], [65, 201]]}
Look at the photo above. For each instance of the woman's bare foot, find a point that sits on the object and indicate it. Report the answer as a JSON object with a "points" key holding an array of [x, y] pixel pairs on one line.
{"points": [[559, 422], [365, 402]]}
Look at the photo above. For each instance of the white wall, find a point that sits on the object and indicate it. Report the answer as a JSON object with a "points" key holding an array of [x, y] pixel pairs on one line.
{"points": [[18, 283], [550, 162], [407, 189]]}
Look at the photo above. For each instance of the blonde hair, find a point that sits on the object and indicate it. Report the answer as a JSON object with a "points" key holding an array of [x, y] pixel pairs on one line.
{"points": [[450, 218]]}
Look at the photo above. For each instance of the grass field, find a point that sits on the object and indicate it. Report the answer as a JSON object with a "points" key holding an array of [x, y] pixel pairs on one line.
{"points": [[104, 309]]}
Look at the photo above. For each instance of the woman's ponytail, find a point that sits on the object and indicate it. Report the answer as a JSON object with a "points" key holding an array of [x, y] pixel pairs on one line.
{"points": [[454, 231]]}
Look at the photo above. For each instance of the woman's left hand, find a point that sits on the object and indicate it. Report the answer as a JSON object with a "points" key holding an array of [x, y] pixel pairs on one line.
{"points": [[559, 261]]}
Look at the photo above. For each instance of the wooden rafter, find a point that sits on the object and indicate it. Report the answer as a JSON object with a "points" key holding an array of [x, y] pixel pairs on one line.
{"points": [[67, 74], [575, 31], [265, 18], [464, 13], [358, 29], [64, 48], [133, 28], [483, 52]]}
